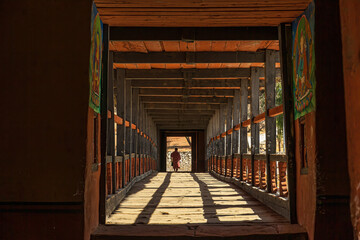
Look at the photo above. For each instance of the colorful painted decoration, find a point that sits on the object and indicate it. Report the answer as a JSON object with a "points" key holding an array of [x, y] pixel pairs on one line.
{"points": [[303, 59], [95, 70]]}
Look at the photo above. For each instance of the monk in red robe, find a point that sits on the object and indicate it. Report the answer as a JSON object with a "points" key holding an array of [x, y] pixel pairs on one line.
{"points": [[175, 157]]}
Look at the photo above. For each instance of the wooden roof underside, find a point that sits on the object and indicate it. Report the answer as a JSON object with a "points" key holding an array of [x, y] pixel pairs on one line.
{"points": [[197, 46], [199, 13], [172, 100]]}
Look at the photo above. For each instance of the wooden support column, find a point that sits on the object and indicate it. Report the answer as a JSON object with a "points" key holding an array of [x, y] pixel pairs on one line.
{"points": [[222, 119], [235, 134], [270, 122], [135, 120], [216, 141], [111, 123], [285, 40], [229, 125], [141, 129], [236, 121], [254, 82], [129, 143], [121, 112], [243, 117], [103, 127]]}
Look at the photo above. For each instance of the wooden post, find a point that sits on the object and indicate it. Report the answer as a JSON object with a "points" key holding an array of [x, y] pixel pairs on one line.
{"points": [[103, 127], [222, 117], [235, 134], [121, 112], [111, 126], [270, 123], [229, 125], [135, 115], [254, 82], [243, 117], [129, 142], [285, 40], [141, 149]]}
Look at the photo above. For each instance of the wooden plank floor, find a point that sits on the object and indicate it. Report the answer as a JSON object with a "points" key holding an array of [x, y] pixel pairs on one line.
{"points": [[182, 198], [188, 205]]}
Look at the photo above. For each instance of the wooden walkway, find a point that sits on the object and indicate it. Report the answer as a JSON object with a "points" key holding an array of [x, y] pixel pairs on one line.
{"points": [[193, 204]]}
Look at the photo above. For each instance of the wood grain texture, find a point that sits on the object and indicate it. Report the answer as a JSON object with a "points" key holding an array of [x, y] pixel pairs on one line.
{"points": [[192, 13], [183, 198]]}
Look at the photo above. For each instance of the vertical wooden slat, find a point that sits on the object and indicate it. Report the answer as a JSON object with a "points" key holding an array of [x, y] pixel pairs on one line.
{"points": [[103, 127], [229, 125], [121, 111], [243, 117], [135, 110], [129, 143], [111, 127], [270, 123], [235, 134], [288, 108], [141, 149], [254, 82], [236, 121]]}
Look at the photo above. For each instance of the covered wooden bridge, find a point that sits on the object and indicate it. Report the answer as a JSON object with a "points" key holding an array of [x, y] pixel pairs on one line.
{"points": [[266, 92], [217, 85]]}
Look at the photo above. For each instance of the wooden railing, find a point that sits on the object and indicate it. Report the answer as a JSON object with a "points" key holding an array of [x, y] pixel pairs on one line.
{"points": [[239, 165], [145, 163], [139, 163]]}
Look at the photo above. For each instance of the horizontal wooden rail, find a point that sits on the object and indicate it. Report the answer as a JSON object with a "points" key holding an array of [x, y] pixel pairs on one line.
{"points": [[237, 127], [118, 120], [246, 123], [259, 118], [275, 111]]}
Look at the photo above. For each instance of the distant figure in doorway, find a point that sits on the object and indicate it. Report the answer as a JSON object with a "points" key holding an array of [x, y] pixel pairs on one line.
{"points": [[175, 158]]}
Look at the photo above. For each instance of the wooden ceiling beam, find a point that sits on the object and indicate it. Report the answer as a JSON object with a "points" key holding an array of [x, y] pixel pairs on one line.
{"points": [[223, 83], [172, 118], [191, 34], [204, 100], [181, 127], [192, 106], [183, 112], [182, 121], [190, 57], [191, 92], [195, 73]]}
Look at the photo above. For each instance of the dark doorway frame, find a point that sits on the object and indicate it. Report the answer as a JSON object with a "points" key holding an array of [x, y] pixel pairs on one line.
{"points": [[197, 148], [192, 143]]}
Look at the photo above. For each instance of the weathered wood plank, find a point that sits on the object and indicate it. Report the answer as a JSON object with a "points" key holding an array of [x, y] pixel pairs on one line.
{"points": [[159, 112], [190, 57], [192, 92], [111, 130], [222, 73], [121, 111], [206, 84], [191, 106], [255, 140], [243, 117], [191, 34], [270, 123], [288, 107], [135, 117], [103, 126]]}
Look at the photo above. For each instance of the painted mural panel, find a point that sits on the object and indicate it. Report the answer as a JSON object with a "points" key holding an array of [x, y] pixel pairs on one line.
{"points": [[95, 70], [303, 59]]}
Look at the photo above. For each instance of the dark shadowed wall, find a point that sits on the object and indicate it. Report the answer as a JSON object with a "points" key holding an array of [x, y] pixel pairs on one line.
{"points": [[350, 18], [45, 90]]}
